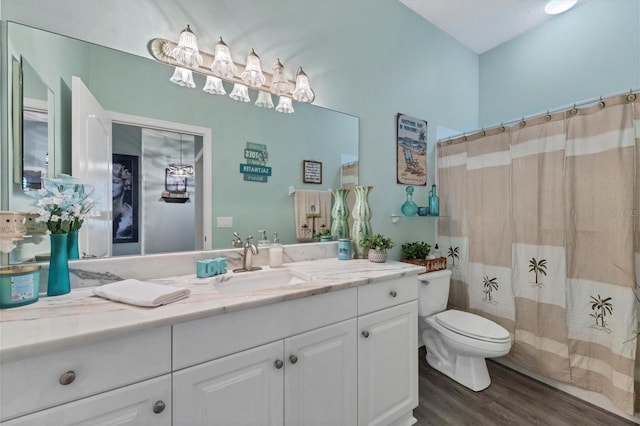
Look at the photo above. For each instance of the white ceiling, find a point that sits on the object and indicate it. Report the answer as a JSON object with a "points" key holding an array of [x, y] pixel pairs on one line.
{"points": [[482, 25]]}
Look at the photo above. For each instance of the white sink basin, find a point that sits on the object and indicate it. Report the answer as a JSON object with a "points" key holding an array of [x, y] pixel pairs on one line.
{"points": [[244, 282]]}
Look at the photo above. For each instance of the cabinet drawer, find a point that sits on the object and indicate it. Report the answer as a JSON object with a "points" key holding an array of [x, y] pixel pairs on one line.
{"points": [[145, 403], [210, 338], [35, 383], [373, 297]]}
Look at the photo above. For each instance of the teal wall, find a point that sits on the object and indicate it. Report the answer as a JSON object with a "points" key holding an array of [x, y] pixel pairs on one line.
{"points": [[591, 51], [368, 58]]}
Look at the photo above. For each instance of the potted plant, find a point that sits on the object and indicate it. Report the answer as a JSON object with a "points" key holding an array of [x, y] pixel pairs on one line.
{"points": [[417, 250], [324, 234], [377, 246]]}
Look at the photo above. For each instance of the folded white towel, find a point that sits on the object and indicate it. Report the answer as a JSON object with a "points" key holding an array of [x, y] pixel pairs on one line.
{"points": [[141, 293]]}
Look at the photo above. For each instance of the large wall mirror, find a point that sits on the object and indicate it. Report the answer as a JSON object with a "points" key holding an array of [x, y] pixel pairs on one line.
{"points": [[132, 86]]}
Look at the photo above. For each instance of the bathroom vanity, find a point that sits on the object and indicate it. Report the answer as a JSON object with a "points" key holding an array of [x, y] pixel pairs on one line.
{"points": [[317, 342]]}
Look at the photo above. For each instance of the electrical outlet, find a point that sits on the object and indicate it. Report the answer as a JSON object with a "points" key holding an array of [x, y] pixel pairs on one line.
{"points": [[225, 222]]}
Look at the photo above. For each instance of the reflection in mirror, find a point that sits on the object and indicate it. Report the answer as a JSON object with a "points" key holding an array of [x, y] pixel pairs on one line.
{"points": [[35, 132], [137, 86]]}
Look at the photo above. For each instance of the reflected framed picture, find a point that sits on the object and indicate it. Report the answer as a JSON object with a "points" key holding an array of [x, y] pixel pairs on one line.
{"points": [[311, 171], [124, 192]]}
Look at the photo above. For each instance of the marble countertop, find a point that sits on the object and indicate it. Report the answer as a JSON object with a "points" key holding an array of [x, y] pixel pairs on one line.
{"points": [[61, 322]]}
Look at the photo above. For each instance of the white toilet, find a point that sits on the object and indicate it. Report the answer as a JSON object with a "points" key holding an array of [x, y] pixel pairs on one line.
{"points": [[457, 342]]}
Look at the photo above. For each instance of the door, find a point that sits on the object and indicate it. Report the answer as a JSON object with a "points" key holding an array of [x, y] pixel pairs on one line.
{"points": [[321, 376], [145, 403], [387, 364], [91, 163], [241, 389]]}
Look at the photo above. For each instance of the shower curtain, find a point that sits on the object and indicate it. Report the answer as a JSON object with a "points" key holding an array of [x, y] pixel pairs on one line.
{"points": [[542, 232]]}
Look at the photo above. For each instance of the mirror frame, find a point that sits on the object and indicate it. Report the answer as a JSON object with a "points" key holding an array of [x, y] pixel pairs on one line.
{"points": [[17, 116]]}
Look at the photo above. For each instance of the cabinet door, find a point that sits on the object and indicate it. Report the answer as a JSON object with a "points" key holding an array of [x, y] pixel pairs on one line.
{"points": [[387, 364], [145, 403], [241, 389], [321, 376]]}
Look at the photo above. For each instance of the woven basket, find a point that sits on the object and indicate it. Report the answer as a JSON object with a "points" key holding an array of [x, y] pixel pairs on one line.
{"points": [[431, 264]]}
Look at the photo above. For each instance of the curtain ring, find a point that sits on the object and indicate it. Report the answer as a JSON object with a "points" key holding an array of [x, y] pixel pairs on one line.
{"points": [[601, 104], [483, 133], [573, 111], [464, 137], [502, 129], [631, 96], [548, 116], [522, 122]]}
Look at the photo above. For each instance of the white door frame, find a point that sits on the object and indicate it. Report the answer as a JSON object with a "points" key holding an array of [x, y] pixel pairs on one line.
{"points": [[207, 196]]}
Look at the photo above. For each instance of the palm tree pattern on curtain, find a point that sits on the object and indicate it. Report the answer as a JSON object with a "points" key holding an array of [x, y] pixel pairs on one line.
{"points": [[489, 285], [600, 308], [538, 268]]}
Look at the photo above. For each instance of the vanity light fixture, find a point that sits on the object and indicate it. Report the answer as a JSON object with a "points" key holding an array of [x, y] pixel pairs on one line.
{"points": [[252, 74], [303, 92], [240, 93], [186, 52], [220, 67], [555, 7], [180, 169]]}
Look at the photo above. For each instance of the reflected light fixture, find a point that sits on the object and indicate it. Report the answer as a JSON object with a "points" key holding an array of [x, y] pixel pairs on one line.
{"points": [[264, 100], [186, 52], [284, 105], [240, 93], [555, 7], [252, 74], [302, 91], [214, 86], [183, 77], [222, 64], [180, 169], [279, 83]]}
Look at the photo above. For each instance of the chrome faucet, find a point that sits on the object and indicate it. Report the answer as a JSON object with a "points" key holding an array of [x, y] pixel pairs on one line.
{"points": [[247, 257], [237, 241]]}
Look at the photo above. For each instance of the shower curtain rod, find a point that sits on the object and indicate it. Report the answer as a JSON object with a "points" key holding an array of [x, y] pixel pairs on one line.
{"points": [[540, 114]]}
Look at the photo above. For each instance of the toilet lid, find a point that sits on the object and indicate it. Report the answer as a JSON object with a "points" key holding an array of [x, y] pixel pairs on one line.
{"points": [[472, 325]]}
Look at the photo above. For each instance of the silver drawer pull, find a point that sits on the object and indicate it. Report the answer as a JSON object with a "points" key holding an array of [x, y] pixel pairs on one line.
{"points": [[158, 407], [393, 293], [293, 359], [67, 378], [365, 334], [279, 364]]}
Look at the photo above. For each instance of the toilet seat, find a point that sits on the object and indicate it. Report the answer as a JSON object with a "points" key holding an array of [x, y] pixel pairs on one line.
{"points": [[472, 326]]}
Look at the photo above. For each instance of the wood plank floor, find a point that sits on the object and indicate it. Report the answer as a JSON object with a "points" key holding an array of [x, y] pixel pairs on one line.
{"points": [[512, 399]]}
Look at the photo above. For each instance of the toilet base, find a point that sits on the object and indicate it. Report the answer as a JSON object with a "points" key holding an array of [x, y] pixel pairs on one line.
{"points": [[469, 371]]}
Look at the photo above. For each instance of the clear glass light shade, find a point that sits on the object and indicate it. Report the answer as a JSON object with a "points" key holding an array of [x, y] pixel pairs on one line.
{"points": [[284, 105], [222, 64], [214, 86], [240, 93], [180, 170], [186, 51], [302, 91], [252, 74], [183, 77], [264, 100], [279, 83]]}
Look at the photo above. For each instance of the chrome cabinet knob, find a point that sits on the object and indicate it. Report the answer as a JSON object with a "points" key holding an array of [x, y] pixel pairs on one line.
{"points": [[158, 407], [67, 378], [279, 364], [293, 359], [393, 293], [365, 334]]}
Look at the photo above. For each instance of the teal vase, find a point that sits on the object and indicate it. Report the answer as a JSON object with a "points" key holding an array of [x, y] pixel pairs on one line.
{"points": [[340, 214], [361, 214], [409, 208], [72, 245], [58, 282]]}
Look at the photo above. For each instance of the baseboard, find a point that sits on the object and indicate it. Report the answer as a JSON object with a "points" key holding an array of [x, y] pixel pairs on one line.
{"points": [[591, 397]]}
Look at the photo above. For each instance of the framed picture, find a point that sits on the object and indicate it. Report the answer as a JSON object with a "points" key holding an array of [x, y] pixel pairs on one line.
{"points": [[411, 151], [124, 192], [311, 171], [174, 184]]}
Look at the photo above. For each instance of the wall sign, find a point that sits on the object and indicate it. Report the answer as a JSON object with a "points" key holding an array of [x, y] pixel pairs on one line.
{"points": [[311, 171], [411, 151], [255, 168]]}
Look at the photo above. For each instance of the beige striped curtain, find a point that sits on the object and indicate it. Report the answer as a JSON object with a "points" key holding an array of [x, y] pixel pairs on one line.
{"points": [[548, 212]]}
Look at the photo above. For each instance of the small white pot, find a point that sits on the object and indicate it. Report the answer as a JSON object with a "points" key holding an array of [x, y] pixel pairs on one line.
{"points": [[377, 256]]}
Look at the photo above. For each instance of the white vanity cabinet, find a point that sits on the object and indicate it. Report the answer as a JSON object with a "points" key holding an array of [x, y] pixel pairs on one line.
{"points": [[307, 379], [388, 353]]}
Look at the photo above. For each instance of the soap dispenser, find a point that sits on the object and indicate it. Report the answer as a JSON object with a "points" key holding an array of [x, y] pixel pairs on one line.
{"points": [[263, 242], [436, 252], [275, 252]]}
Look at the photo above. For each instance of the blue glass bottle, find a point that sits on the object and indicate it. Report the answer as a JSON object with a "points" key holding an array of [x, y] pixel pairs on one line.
{"points": [[409, 208], [434, 202]]}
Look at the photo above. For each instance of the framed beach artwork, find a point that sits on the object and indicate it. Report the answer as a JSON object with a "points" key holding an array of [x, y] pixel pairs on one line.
{"points": [[124, 192], [411, 150]]}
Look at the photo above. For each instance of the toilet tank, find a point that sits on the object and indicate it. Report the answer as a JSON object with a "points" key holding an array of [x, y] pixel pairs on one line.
{"points": [[434, 292]]}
